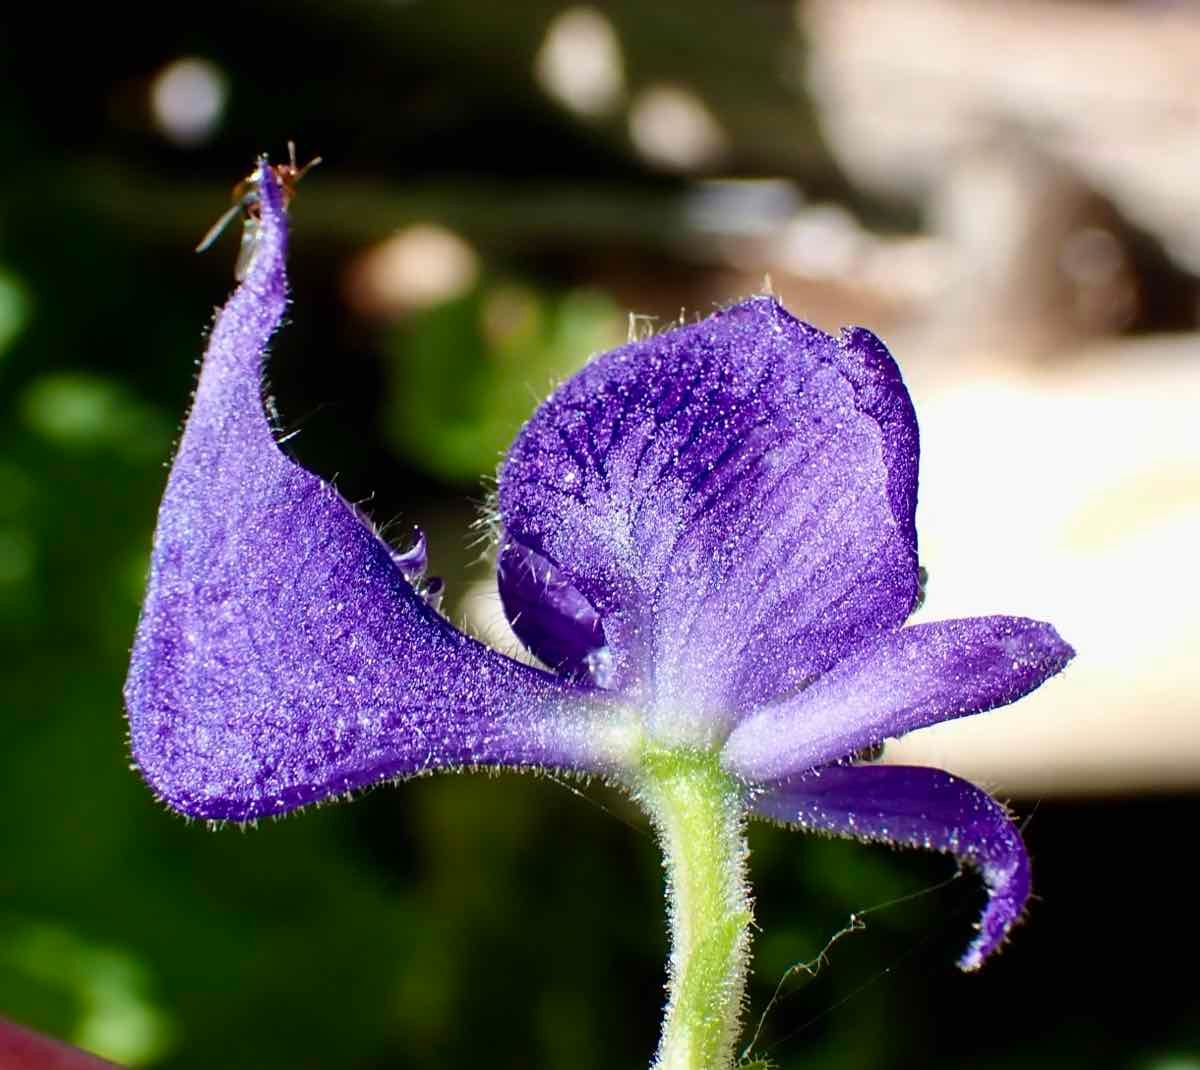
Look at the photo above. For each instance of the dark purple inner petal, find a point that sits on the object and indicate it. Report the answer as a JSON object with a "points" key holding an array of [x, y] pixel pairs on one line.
{"points": [[916, 807], [549, 615]]}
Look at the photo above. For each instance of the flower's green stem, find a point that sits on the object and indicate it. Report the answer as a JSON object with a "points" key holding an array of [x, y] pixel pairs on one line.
{"points": [[699, 812]]}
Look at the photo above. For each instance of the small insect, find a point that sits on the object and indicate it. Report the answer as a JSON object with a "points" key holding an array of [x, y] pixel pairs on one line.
{"points": [[246, 204]]}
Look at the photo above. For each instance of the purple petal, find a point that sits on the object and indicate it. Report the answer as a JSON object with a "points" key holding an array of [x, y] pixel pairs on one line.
{"points": [[915, 807], [896, 683], [413, 561], [549, 615], [880, 392], [733, 498], [281, 655]]}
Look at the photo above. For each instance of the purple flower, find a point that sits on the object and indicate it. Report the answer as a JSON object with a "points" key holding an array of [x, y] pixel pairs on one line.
{"points": [[708, 537]]}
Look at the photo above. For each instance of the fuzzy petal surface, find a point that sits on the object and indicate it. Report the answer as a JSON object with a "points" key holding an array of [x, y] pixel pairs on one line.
{"points": [[735, 500], [896, 683], [916, 807], [282, 656]]}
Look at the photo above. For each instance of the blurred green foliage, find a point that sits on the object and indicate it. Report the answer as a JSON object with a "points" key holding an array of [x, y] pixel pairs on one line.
{"points": [[13, 310], [457, 921], [465, 374]]}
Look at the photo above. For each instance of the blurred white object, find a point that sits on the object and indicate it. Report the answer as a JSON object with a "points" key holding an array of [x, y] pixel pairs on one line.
{"points": [[187, 100], [670, 126], [1073, 495], [579, 63], [421, 265], [909, 89], [824, 242], [740, 207]]}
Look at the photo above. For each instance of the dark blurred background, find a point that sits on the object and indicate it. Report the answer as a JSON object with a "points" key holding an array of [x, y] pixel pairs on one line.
{"points": [[1008, 192]]}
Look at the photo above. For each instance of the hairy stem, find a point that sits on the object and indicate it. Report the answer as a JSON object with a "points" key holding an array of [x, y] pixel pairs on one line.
{"points": [[699, 813]]}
